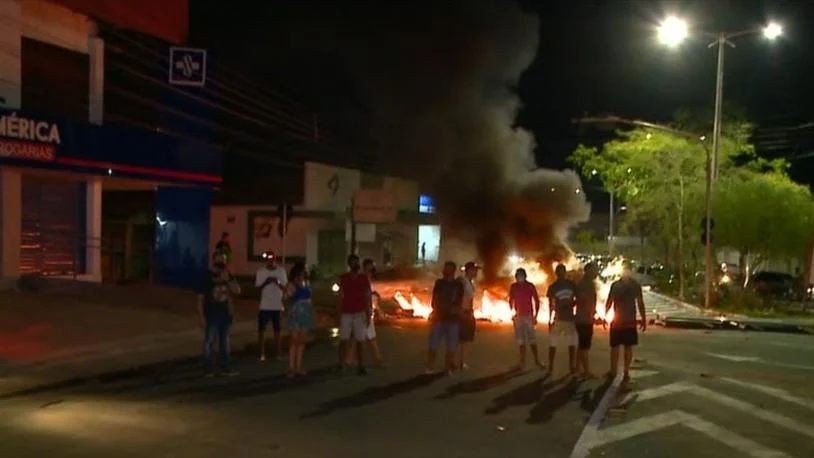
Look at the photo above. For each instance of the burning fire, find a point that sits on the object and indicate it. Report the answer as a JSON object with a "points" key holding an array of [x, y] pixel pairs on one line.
{"points": [[493, 305]]}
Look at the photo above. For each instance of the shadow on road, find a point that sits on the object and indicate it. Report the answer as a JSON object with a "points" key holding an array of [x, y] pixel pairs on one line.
{"points": [[590, 399], [523, 395], [480, 384], [553, 401], [373, 395]]}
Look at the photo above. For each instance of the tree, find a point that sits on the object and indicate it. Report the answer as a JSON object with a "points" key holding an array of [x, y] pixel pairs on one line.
{"points": [[763, 215], [661, 176]]}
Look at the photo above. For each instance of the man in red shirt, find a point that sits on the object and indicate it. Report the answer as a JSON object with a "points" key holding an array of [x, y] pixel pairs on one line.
{"points": [[355, 310], [525, 301]]}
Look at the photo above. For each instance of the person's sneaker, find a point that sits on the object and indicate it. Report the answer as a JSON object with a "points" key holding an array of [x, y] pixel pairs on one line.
{"points": [[229, 373], [361, 371]]}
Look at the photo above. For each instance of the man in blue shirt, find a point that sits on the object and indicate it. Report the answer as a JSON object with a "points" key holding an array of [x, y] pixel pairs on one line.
{"points": [[216, 312]]}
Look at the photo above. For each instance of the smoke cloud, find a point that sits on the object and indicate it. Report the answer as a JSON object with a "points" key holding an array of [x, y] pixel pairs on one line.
{"points": [[440, 80]]}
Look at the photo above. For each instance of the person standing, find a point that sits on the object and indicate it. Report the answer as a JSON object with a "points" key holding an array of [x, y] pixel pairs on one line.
{"points": [[586, 311], [561, 328], [216, 313], [300, 318], [423, 253], [271, 279], [468, 322], [625, 297], [355, 309], [447, 298], [369, 268], [224, 247], [525, 302]]}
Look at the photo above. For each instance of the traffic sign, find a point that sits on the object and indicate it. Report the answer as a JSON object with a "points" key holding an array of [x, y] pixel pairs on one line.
{"points": [[187, 66]]}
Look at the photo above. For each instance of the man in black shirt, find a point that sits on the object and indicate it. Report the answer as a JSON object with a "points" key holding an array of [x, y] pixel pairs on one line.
{"points": [[561, 328], [625, 297], [447, 300], [216, 312]]}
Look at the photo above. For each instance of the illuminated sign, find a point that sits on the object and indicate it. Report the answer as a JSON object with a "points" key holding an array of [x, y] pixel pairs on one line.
{"points": [[187, 66], [425, 204], [28, 138]]}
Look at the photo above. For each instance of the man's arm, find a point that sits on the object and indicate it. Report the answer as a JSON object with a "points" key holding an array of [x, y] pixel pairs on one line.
{"points": [[200, 308], [536, 300], [640, 301], [434, 299]]}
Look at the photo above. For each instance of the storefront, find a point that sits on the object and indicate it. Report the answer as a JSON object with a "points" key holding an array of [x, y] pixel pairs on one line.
{"points": [[53, 172]]}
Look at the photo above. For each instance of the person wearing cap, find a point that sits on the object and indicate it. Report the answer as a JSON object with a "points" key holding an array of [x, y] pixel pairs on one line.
{"points": [[562, 297], [586, 311], [272, 280], [355, 310], [216, 312], [625, 297], [468, 322], [525, 302], [224, 247]]}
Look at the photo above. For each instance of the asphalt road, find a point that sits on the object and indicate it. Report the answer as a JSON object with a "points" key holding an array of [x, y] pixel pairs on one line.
{"points": [[741, 394]]}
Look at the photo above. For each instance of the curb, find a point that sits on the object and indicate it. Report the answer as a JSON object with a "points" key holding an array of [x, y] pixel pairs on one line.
{"points": [[733, 324]]}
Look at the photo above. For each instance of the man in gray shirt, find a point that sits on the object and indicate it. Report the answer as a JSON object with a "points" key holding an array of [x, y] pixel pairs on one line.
{"points": [[625, 298]]}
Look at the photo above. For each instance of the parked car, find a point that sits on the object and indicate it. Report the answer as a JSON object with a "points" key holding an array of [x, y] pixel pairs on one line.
{"points": [[773, 284]]}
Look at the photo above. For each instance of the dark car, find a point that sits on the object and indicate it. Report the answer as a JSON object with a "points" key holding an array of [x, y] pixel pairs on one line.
{"points": [[774, 284]]}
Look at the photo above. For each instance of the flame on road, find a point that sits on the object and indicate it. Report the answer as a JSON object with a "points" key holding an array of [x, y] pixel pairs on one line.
{"points": [[492, 303]]}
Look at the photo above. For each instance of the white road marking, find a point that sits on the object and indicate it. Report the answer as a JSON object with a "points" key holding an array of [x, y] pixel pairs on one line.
{"points": [[636, 374], [737, 359], [755, 359], [589, 433], [736, 404], [776, 392], [677, 417]]}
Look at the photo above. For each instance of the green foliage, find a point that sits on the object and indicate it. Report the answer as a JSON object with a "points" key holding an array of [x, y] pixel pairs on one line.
{"points": [[763, 214]]}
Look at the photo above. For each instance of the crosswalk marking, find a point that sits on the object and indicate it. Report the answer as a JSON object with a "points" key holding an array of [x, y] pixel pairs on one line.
{"points": [[732, 403], [755, 359], [776, 392], [677, 417]]}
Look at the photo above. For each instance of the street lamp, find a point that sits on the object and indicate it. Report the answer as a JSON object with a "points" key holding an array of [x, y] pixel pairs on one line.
{"points": [[672, 32]]}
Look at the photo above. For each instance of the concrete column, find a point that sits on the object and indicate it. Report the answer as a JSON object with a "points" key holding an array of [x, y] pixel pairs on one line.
{"points": [[11, 223], [93, 265], [96, 55], [10, 49]]}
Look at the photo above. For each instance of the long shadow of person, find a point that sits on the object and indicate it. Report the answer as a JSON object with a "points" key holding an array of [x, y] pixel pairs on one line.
{"points": [[373, 395], [479, 384], [523, 395], [553, 401]]}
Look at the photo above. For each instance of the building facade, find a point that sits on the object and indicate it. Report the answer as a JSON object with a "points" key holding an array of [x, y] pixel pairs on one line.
{"points": [[57, 155], [319, 230]]}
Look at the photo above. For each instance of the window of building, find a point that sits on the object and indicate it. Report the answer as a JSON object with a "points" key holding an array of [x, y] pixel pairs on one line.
{"points": [[425, 204]]}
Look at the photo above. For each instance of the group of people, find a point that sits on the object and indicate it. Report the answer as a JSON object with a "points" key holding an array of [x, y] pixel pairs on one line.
{"points": [[572, 311], [572, 308]]}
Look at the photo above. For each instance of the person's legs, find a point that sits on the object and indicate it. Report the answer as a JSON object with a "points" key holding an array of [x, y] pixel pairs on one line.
{"points": [[276, 326], [520, 337], [452, 335], [210, 334], [434, 341], [345, 331], [292, 353], [614, 352], [585, 336], [224, 348], [360, 335], [630, 341], [531, 339], [302, 336], [262, 323]]}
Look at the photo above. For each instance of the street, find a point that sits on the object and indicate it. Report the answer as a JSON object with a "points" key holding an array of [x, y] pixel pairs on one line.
{"points": [[697, 393]]}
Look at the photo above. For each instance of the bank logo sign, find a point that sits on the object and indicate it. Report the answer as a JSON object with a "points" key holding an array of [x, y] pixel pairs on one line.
{"points": [[187, 66], [28, 138]]}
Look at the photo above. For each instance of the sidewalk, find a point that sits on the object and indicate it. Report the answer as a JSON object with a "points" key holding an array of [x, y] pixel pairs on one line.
{"points": [[49, 338], [684, 313]]}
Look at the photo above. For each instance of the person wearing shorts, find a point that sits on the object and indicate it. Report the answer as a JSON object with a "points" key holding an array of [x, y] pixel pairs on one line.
{"points": [[447, 298], [355, 309], [369, 268], [468, 322], [586, 311], [271, 279], [525, 302], [625, 297], [561, 328]]}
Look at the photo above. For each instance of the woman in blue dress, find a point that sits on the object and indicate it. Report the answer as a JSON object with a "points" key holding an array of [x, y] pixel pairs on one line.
{"points": [[300, 318]]}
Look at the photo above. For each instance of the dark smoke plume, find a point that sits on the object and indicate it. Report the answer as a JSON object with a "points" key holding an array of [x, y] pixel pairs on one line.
{"points": [[440, 79]]}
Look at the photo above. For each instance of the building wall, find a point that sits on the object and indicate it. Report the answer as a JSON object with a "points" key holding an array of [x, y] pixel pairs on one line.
{"points": [[53, 24]]}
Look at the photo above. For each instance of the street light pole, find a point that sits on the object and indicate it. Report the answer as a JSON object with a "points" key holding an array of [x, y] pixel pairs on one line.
{"points": [[713, 161]]}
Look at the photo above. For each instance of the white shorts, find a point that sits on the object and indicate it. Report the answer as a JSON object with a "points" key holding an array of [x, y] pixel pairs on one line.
{"points": [[371, 330], [524, 330], [563, 334], [353, 324]]}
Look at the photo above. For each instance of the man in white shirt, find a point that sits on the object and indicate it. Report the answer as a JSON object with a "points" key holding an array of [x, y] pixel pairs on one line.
{"points": [[271, 279]]}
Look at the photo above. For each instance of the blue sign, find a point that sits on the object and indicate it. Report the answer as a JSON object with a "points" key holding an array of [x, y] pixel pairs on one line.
{"points": [[426, 204], [187, 66]]}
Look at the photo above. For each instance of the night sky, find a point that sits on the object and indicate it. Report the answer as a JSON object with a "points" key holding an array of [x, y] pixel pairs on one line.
{"points": [[594, 57]]}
